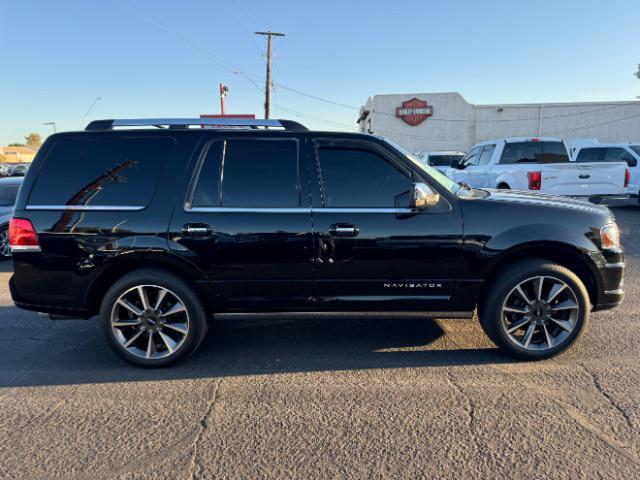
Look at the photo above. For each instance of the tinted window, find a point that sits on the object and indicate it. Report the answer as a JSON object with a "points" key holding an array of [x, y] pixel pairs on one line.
{"points": [[260, 173], [101, 172], [8, 194], [360, 178], [207, 190], [471, 158], [587, 155], [487, 153], [554, 152], [635, 148], [443, 160], [618, 155], [522, 152], [252, 173]]}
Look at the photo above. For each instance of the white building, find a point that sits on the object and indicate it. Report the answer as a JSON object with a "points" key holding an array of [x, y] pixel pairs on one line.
{"points": [[446, 121]]}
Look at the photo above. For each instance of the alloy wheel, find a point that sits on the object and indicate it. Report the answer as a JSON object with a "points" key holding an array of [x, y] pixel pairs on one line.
{"points": [[540, 313], [150, 322], [5, 248]]}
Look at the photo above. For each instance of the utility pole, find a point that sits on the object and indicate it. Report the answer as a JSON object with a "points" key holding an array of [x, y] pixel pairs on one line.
{"points": [[267, 90], [53, 124]]}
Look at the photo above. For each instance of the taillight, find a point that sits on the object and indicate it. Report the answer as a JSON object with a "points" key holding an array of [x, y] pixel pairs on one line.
{"points": [[535, 180], [22, 236], [627, 175]]}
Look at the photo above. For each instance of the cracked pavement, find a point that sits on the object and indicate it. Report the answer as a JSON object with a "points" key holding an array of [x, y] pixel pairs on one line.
{"points": [[323, 396]]}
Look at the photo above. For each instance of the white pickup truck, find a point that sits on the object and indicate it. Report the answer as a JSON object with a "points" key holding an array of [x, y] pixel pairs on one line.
{"points": [[596, 152], [538, 164]]}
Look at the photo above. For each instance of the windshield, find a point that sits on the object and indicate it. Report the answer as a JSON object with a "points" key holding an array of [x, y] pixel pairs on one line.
{"points": [[8, 194], [442, 179]]}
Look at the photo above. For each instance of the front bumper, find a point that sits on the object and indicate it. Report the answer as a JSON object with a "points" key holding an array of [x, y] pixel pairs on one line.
{"points": [[610, 282]]}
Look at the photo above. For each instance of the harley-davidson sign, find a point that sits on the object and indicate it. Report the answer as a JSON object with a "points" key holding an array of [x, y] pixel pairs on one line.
{"points": [[414, 111]]}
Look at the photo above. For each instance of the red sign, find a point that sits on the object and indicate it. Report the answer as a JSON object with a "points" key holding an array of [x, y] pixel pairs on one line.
{"points": [[414, 111], [229, 115]]}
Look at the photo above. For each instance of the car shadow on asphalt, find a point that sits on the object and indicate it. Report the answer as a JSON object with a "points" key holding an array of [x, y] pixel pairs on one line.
{"points": [[75, 352]]}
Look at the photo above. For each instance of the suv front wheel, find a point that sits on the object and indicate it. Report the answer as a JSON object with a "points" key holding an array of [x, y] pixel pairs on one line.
{"points": [[153, 318], [535, 309]]}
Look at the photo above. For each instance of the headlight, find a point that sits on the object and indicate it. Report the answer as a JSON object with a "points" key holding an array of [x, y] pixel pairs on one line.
{"points": [[610, 236]]}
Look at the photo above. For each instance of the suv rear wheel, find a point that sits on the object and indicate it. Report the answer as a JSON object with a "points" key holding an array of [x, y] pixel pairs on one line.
{"points": [[535, 309], [153, 318], [5, 248]]}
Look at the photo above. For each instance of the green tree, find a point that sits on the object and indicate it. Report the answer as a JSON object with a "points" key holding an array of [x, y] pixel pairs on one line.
{"points": [[33, 140], [17, 145]]}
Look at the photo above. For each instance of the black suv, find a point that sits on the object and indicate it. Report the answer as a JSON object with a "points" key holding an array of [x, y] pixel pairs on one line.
{"points": [[155, 229]]}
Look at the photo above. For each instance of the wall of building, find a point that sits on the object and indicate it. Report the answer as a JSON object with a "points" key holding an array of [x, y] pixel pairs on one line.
{"points": [[457, 124]]}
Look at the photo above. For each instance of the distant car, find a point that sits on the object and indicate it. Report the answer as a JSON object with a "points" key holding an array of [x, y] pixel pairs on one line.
{"points": [[440, 160], [4, 171], [8, 192], [19, 171]]}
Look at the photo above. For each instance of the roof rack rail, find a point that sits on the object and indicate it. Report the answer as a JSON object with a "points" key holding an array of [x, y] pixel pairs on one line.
{"points": [[183, 123]]}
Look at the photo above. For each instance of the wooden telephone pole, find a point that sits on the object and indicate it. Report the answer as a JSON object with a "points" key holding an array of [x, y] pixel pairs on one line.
{"points": [[267, 90]]}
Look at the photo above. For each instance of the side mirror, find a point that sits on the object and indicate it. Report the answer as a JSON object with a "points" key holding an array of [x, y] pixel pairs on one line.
{"points": [[632, 162], [423, 196], [456, 163]]}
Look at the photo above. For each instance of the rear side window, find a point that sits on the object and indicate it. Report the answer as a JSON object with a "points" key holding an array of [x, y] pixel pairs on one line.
{"points": [[554, 152], [616, 154], [361, 179], [101, 172], [250, 174], [589, 155], [522, 152]]}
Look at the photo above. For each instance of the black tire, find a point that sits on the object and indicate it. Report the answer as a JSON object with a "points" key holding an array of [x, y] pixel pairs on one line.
{"points": [[503, 186], [194, 313], [5, 249], [494, 321]]}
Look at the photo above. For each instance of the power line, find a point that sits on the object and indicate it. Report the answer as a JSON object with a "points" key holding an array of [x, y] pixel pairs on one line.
{"points": [[319, 119], [586, 127]]}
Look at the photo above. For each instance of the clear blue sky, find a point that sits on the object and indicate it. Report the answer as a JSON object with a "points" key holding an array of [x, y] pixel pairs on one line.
{"points": [[165, 58]]}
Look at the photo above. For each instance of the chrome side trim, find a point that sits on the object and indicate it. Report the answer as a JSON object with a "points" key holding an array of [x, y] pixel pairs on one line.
{"points": [[248, 210], [615, 265], [297, 210], [362, 210], [84, 208], [619, 291], [25, 248]]}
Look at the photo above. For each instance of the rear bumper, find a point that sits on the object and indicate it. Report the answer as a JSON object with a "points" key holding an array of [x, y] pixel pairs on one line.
{"points": [[22, 303]]}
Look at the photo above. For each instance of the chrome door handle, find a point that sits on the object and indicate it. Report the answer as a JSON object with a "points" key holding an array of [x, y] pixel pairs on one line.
{"points": [[343, 230], [197, 230]]}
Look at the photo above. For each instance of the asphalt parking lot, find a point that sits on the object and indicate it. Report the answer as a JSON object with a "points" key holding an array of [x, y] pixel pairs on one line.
{"points": [[284, 396]]}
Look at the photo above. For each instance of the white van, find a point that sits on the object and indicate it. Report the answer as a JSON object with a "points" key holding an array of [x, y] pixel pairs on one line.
{"points": [[538, 164]]}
